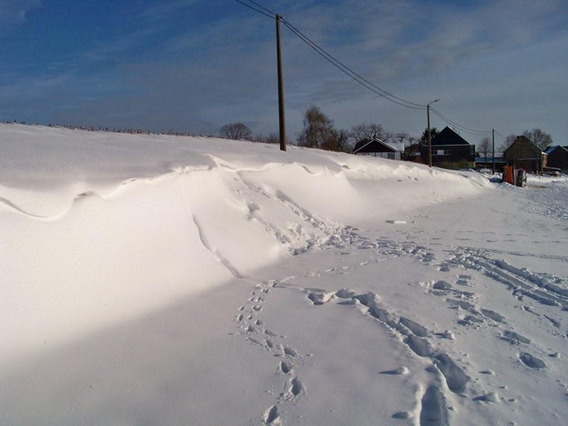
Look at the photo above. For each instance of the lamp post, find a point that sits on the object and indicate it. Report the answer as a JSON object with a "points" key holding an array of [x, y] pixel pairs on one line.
{"points": [[429, 133]]}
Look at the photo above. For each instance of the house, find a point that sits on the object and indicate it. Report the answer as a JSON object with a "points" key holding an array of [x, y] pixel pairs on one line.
{"points": [[378, 148], [523, 154], [489, 163], [450, 151], [557, 157]]}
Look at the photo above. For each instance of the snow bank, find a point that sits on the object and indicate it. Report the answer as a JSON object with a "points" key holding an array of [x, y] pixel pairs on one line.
{"points": [[97, 227]]}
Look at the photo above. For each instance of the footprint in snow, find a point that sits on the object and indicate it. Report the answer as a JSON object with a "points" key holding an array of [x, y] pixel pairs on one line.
{"points": [[295, 387], [490, 397], [415, 334], [290, 352], [285, 367], [531, 361], [514, 338], [433, 409], [271, 416]]}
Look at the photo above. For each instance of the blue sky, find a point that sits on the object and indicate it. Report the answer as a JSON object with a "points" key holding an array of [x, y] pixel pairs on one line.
{"points": [[194, 65]]}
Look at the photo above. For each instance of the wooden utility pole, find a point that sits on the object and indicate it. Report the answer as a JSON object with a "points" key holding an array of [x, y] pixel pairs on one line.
{"points": [[429, 132], [493, 143], [281, 115], [429, 136]]}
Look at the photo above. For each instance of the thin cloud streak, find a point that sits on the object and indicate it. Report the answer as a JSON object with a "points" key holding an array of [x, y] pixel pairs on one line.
{"points": [[13, 12], [190, 66]]}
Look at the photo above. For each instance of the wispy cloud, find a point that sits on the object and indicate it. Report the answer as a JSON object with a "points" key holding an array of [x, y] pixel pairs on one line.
{"points": [[194, 65], [414, 36], [13, 12]]}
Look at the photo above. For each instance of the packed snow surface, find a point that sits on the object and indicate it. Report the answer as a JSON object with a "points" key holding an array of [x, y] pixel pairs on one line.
{"points": [[152, 279]]}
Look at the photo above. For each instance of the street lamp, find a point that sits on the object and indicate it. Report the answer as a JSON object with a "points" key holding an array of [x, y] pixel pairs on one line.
{"points": [[429, 133]]}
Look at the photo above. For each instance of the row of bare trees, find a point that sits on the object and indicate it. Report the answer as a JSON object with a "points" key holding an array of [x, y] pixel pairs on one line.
{"points": [[541, 139], [320, 132]]}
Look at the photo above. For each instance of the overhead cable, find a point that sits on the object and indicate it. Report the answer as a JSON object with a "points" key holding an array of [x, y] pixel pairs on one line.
{"points": [[262, 7], [460, 126], [331, 59], [257, 8], [349, 72]]}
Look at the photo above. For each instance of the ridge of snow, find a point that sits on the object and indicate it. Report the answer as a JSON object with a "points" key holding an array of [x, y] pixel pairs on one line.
{"points": [[140, 272]]}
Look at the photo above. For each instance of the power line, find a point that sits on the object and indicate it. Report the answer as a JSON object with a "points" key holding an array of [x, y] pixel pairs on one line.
{"points": [[262, 7], [500, 134], [349, 72], [460, 126], [332, 60], [257, 8]]}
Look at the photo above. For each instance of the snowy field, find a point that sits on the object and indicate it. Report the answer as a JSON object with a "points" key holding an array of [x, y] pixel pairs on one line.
{"points": [[160, 280]]}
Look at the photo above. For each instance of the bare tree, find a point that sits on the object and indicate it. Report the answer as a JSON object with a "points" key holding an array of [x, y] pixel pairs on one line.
{"points": [[507, 143], [318, 129], [271, 138], [237, 131], [337, 141], [539, 138], [369, 131], [404, 138], [484, 148]]}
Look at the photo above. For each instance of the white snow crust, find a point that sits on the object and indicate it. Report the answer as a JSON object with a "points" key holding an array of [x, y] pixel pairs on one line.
{"points": [[152, 279]]}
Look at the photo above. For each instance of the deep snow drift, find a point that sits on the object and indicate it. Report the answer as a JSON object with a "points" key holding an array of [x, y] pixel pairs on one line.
{"points": [[172, 280]]}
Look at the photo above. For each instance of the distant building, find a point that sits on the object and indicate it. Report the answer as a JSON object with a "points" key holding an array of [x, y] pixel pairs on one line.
{"points": [[378, 148], [450, 151], [523, 154], [557, 157], [489, 162]]}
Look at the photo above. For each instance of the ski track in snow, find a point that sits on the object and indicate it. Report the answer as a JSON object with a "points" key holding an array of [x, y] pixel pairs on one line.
{"points": [[544, 288], [432, 399]]}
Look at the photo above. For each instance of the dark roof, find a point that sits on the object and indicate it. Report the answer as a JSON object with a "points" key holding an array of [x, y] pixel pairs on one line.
{"points": [[448, 137], [372, 145], [522, 144], [554, 148]]}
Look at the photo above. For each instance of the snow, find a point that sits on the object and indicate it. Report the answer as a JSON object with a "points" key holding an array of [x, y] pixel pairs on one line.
{"points": [[150, 279]]}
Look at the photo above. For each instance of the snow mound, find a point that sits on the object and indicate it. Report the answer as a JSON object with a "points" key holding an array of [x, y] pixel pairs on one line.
{"points": [[118, 225]]}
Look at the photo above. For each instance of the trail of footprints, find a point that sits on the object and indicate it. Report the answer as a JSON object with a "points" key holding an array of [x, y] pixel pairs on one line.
{"points": [[256, 333], [479, 317], [544, 288], [415, 336]]}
